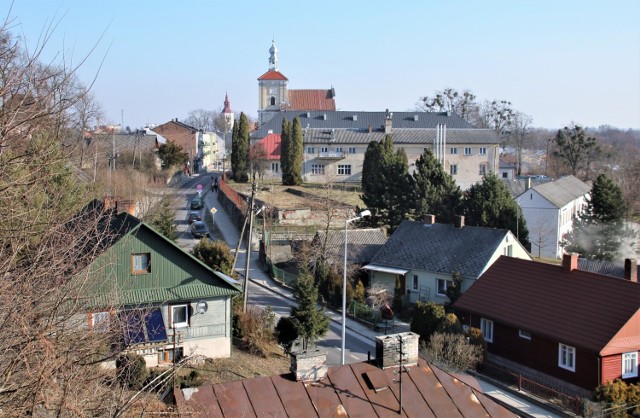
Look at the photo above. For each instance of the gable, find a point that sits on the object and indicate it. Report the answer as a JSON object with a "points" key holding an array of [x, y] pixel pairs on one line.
{"points": [[626, 339], [563, 191]]}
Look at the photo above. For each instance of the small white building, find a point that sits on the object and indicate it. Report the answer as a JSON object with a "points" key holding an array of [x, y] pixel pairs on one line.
{"points": [[549, 209]]}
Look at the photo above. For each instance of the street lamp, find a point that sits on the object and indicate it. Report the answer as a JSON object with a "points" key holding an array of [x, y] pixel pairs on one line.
{"points": [[361, 215]]}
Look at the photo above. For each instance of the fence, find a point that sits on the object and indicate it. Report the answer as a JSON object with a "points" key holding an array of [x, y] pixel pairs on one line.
{"points": [[280, 275], [554, 396]]}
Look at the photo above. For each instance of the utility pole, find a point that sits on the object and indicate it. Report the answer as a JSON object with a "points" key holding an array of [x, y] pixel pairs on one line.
{"points": [[248, 253]]}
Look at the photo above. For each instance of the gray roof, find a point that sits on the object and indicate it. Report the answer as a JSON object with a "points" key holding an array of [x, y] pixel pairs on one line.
{"points": [[519, 186], [126, 142], [399, 136], [362, 120], [362, 244], [607, 268], [562, 191], [440, 248]]}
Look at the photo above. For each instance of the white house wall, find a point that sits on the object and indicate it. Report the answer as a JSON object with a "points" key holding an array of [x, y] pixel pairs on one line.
{"points": [[542, 219]]}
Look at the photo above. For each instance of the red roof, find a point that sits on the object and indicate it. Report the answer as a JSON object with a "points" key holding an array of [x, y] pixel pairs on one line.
{"points": [[311, 100], [268, 148], [575, 307], [273, 75], [227, 105]]}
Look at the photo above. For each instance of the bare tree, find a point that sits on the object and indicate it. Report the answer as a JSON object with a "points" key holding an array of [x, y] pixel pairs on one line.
{"points": [[204, 120], [519, 129]]}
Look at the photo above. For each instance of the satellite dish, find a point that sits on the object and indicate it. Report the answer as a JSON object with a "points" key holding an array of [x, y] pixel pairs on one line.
{"points": [[201, 307]]}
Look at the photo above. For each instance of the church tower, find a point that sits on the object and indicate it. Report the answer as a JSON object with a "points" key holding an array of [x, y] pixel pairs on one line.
{"points": [[228, 115], [272, 88]]}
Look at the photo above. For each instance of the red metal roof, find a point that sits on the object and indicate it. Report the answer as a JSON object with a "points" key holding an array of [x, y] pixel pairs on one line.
{"points": [[575, 307], [273, 75], [268, 148], [311, 100], [426, 391]]}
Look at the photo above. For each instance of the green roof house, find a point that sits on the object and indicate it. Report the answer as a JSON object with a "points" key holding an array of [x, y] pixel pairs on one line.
{"points": [[164, 300]]}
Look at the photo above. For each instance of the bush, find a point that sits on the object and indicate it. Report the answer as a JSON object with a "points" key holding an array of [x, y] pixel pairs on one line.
{"points": [[426, 318], [450, 324], [286, 332], [452, 352], [619, 394], [255, 329], [475, 338], [131, 370]]}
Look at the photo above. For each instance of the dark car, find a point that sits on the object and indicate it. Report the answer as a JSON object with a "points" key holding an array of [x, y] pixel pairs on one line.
{"points": [[194, 216], [199, 229], [196, 204]]}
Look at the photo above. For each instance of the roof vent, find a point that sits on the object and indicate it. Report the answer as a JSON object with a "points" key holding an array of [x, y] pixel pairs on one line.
{"points": [[270, 131], [415, 118], [308, 115], [355, 118], [324, 116]]}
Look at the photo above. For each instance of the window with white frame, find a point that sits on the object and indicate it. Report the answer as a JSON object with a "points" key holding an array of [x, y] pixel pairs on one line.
{"points": [[443, 285], [99, 321], [352, 150], [344, 169], [453, 150], [483, 150], [453, 169], [324, 149], [140, 263], [415, 282], [317, 169], [524, 334], [486, 326], [311, 150], [338, 149], [566, 357], [179, 316], [630, 364], [483, 169], [467, 150], [275, 167], [508, 250]]}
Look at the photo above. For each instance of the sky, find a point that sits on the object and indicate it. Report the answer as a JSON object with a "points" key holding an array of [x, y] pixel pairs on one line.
{"points": [[560, 62]]}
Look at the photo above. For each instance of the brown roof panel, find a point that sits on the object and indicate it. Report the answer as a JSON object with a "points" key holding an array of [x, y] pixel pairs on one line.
{"points": [[262, 394], [493, 409], [413, 404], [325, 400], [233, 399], [293, 396], [200, 400], [433, 391], [311, 100], [350, 392], [461, 395], [384, 402]]}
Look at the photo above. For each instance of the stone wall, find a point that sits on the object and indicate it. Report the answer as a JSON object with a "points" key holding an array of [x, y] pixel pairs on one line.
{"points": [[309, 365], [388, 349]]}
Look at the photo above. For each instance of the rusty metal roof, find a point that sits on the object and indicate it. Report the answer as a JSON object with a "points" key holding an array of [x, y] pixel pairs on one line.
{"points": [[346, 391]]}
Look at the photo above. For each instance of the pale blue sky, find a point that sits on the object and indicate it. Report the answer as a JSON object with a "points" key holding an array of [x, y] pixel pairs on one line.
{"points": [[559, 61]]}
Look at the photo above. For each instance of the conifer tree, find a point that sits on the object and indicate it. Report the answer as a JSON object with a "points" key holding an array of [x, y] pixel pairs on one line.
{"points": [[296, 152], [285, 152], [310, 322], [436, 191], [241, 173], [376, 176], [235, 155]]}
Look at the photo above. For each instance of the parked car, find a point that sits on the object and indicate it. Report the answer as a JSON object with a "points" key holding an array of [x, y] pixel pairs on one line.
{"points": [[199, 229], [194, 216], [196, 203]]}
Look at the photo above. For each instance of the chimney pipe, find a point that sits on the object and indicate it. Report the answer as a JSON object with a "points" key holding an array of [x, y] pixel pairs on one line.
{"points": [[429, 219], [631, 269], [570, 262], [309, 365], [459, 221]]}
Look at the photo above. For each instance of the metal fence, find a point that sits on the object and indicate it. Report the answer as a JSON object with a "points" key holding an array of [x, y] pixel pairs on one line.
{"points": [[280, 275]]}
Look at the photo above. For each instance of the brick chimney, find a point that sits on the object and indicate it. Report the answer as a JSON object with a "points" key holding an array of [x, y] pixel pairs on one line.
{"points": [[570, 262], [429, 219], [388, 122], [459, 223], [309, 365], [388, 349], [128, 206], [109, 202], [631, 269]]}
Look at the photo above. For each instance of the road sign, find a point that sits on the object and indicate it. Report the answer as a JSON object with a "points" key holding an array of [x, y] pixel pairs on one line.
{"points": [[199, 187], [213, 211]]}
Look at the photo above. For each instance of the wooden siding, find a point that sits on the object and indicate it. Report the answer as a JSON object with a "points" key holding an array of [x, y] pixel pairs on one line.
{"points": [[540, 354], [612, 369]]}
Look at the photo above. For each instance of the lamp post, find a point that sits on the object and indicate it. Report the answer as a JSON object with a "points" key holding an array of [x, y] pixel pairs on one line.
{"points": [[361, 215]]}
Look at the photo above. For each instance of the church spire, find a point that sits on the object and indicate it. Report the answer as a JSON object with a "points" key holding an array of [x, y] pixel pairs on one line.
{"points": [[227, 105], [273, 56]]}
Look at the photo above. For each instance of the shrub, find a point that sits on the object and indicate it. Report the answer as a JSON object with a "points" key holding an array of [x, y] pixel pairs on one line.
{"points": [[476, 338], [426, 318], [450, 324], [255, 327], [452, 352], [286, 332], [619, 394], [131, 370]]}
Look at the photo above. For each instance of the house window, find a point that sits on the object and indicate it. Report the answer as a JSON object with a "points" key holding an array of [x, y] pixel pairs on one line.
{"points": [[524, 334], [352, 150], [442, 286], [311, 150], [317, 169], [630, 364], [272, 101], [338, 149], [566, 357], [505, 175], [140, 263], [344, 169], [483, 169], [486, 325], [167, 355], [453, 169], [99, 321], [275, 167], [179, 316], [324, 149], [483, 150], [508, 250], [467, 151], [453, 150], [415, 282]]}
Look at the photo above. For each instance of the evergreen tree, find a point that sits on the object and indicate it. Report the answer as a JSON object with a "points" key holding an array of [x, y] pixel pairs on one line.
{"points": [[235, 154], [215, 254], [598, 232], [489, 204], [241, 173], [296, 152], [172, 155], [399, 195], [163, 219], [285, 152], [436, 191], [310, 322], [373, 179]]}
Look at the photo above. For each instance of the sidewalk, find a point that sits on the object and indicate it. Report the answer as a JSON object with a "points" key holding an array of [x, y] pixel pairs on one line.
{"points": [[518, 402]]}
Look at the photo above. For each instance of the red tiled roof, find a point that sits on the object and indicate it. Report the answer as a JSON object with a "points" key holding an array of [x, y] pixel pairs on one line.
{"points": [[427, 391], [311, 100], [268, 148], [578, 308], [273, 75]]}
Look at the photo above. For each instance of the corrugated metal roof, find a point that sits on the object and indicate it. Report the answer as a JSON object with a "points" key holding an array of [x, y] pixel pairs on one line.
{"points": [[608, 268], [440, 248], [400, 136], [426, 391], [562, 191], [360, 120], [268, 148], [362, 244], [577, 308], [311, 100]]}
